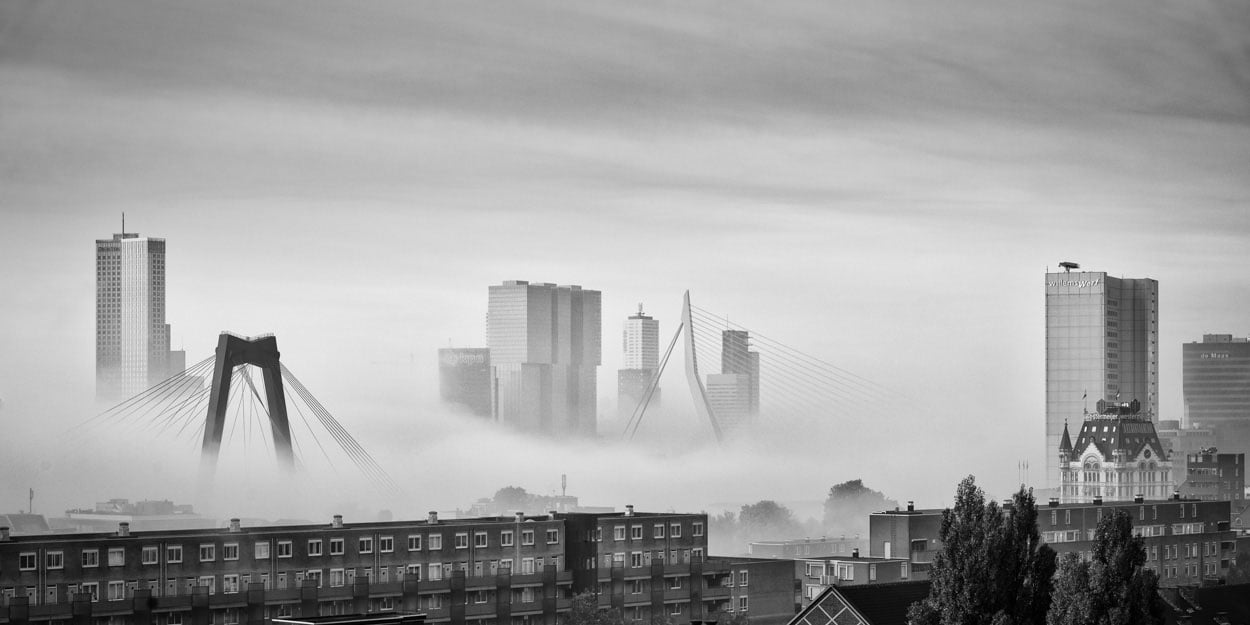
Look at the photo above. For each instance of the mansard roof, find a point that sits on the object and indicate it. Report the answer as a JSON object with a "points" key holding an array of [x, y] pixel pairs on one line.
{"points": [[1132, 435]]}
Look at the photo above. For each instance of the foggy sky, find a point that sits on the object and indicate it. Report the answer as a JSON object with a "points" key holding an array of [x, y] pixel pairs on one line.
{"points": [[881, 185]]}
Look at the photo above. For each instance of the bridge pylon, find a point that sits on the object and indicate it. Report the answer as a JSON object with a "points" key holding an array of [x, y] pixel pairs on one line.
{"points": [[232, 351]]}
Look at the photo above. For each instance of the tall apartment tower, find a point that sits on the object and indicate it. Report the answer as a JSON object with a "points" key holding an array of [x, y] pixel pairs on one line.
{"points": [[1101, 343], [545, 346], [1217, 389], [464, 378], [132, 338], [641, 342]]}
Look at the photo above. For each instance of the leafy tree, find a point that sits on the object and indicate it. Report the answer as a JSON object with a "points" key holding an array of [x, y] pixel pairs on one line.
{"points": [[849, 504], [993, 568], [767, 519], [585, 610], [1111, 588], [512, 498]]}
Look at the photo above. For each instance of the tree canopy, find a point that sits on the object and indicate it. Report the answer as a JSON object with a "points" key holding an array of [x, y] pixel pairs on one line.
{"points": [[848, 506], [1112, 587], [993, 568]]}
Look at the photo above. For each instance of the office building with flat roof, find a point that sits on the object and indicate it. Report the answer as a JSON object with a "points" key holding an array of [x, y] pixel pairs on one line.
{"points": [[132, 338], [1101, 343], [464, 378], [1217, 388], [545, 346]]}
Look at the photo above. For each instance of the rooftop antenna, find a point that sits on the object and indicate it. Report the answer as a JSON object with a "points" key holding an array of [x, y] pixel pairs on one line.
{"points": [[639, 309], [564, 477], [123, 224]]}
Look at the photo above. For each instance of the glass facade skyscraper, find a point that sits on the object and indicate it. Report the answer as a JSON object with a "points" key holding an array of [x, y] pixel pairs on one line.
{"points": [[132, 338], [1101, 343], [1217, 388]]}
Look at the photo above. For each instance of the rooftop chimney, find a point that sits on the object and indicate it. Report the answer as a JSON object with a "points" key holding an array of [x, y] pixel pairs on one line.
{"points": [[1138, 498], [1097, 501], [855, 552], [4, 534], [433, 520], [551, 515], [1176, 495], [235, 526], [911, 506], [1054, 502], [520, 516], [123, 528], [629, 509], [337, 523]]}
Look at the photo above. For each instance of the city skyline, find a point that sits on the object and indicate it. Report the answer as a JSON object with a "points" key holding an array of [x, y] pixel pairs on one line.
{"points": [[879, 187]]}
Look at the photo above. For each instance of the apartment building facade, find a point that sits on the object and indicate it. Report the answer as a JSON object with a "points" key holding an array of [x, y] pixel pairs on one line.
{"points": [[521, 570]]}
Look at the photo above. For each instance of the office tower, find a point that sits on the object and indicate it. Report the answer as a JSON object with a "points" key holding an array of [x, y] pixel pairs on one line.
{"points": [[641, 343], [736, 357], [545, 345], [1217, 389], [132, 338], [1101, 343], [729, 397], [464, 378]]}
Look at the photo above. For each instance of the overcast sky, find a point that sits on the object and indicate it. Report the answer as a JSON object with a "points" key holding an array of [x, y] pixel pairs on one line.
{"points": [[882, 185]]}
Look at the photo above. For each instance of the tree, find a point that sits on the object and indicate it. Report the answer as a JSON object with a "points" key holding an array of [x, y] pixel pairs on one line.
{"points": [[1112, 587], [767, 519], [585, 610], [512, 498], [849, 504], [992, 569]]}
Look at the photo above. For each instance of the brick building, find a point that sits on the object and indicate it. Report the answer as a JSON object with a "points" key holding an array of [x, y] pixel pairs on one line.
{"points": [[521, 570]]}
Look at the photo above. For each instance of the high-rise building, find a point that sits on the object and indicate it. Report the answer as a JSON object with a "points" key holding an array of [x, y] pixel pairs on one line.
{"points": [[545, 346], [132, 338], [1217, 388], [464, 378], [641, 343], [736, 357], [1101, 343], [734, 393]]}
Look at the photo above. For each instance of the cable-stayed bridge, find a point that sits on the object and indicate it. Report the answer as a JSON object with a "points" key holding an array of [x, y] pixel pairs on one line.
{"points": [[252, 400], [738, 377]]}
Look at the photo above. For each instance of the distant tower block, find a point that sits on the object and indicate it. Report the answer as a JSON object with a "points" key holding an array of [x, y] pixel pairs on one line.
{"points": [[262, 352]]}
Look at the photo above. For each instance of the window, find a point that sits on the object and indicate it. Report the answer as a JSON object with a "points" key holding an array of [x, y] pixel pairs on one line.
{"points": [[527, 537], [674, 583], [696, 554], [527, 595], [91, 589], [674, 530], [436, 571], [150, 554], [635, 587], [696, 529], [635, 559], [505, 538], [365, 545], [872, 572], [635, 532], [462, 540], [658, 531], [414, 542], [742, 578], [618, 532], [386, 544], [284, 549], [553, 536], [742, 604], [116, 591], [230, 551], [90, 558], [208, 553], [29, 561], [314, 576], [436, 542], [336, 547], [262, 550], [337, 578], [675, 609], [230, 583], [55, 560], [527, 566], [314, 547], [173, 554]]}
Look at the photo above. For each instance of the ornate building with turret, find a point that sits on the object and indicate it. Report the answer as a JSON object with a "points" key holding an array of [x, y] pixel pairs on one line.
{"points": [[1117, 456]]}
